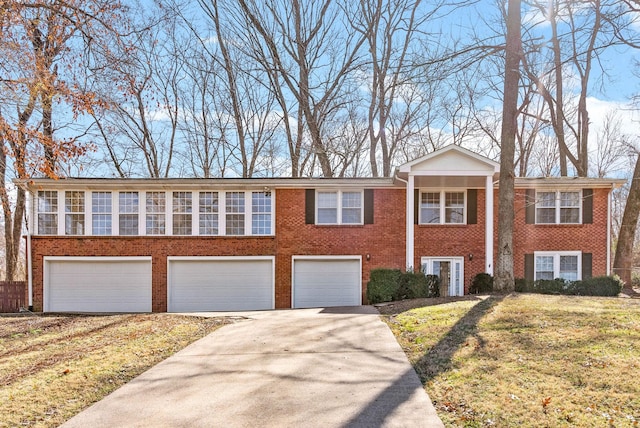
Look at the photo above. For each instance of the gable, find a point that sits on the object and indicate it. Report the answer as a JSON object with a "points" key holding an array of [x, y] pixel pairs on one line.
{"points": [[452, 160]]}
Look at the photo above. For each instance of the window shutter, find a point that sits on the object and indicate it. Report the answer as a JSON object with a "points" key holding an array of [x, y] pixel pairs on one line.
{"points": [[310, 206], [472, 206], [587, 206], [368, 206], [416, 206], [586, 265], [530, 206], [529, 266]]}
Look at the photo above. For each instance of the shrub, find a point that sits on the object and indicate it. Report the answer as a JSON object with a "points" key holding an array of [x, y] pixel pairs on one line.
{"points": [[481, 283], [597, 286], [383, 285], [412, 285]]}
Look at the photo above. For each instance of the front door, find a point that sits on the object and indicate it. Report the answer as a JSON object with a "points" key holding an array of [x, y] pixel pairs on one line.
{"points": [[449, 270]]}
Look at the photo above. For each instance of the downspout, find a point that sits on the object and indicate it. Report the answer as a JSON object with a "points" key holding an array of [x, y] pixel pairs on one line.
{"points": [[609, 203], [409, 231], [28, 252]]}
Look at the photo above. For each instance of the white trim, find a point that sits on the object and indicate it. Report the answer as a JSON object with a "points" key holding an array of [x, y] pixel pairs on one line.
{"points": [[453, 260], [272, 259], [47, 259], [488, 228], [339, 193], [557, 207], [452, 147], [410, 214], [324, 257], [556, 262], [442, 204]]}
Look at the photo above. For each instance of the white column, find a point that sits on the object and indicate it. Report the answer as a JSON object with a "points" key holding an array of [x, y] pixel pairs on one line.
{"points": [[488, 232], [410, 221]]}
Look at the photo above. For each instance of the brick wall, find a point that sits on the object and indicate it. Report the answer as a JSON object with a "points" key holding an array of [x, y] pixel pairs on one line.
{"points": [[455, 241], [384, 240], [158, 247], [588, 238]]}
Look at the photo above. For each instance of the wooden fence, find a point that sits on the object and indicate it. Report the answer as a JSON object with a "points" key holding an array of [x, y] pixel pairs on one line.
{"points": [[13, 296]]}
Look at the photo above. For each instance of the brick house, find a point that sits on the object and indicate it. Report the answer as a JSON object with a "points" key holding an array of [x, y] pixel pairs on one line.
{"points": [[139, 245]]}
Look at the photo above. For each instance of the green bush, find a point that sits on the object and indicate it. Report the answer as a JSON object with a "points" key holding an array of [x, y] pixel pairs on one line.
{"points": [[481, 283], [597, 286], [383, 285], [412, 285]]}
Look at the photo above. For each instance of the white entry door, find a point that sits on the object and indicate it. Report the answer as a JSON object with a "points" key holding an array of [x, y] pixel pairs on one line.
{"points": [[450, 270]]}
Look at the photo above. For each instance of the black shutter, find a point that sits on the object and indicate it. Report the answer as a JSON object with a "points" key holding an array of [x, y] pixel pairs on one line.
{"points": [[472, 206], [586, 265], [368, 206], [530, 206], [529, 266], [416, 206], [587, 206], [310, 206]]}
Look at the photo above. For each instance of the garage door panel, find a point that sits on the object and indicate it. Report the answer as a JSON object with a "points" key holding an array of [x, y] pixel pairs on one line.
{"points": [[98, 285], [326, 282], [227, 284]]}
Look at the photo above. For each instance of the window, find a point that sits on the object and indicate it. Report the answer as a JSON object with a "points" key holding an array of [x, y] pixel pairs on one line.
{"points": [[339, 207], [261, 213], [155, 213], [234, 202], [558, 207], [101, 213], [208, 211], [129, 203], [565, 265], [182, 213], [74, 213], [434, 211], [47, 212]]}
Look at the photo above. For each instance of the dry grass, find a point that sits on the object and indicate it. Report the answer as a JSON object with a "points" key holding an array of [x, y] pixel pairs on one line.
{"points": [[52, 367], [526, 360]]}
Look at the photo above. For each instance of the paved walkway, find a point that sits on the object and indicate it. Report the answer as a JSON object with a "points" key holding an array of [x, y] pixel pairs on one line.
{"points": [[333, 367]]}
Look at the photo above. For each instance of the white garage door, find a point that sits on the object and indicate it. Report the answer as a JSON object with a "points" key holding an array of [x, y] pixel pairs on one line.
{"points": [[323, 282], [220, 284], [97, 284]]}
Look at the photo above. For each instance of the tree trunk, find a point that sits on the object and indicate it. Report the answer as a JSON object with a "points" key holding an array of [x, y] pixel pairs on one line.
{"points": [[623, 260], [504, 278]]}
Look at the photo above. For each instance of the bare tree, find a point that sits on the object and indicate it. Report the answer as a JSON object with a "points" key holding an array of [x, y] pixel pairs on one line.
{"points": [[504, 278]]}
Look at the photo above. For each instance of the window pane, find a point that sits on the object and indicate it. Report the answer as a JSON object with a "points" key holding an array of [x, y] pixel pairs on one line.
{"points": [[48, 212], [208, 213], [261, 213], [430, 208], [47, 224], [569, 268], [351, 207], [570, 199], [546, 199], [182, 213], [327, 208], [544, 267], [128, 206], [569, 215], [546, 207], [454, 207], [155, 205], [48, 201], [235, 213], [74, 209], [545, 215], [101, 208]]}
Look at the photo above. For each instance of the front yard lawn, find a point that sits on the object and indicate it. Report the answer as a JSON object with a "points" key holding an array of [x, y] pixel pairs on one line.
{"points": [[52, 367], [525, 360]]}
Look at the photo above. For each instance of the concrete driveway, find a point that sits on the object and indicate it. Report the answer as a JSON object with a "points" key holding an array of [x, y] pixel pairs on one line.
{"points": [[333, 367]]}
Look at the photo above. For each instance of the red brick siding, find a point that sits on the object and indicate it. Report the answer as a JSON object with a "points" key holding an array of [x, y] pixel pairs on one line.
{"points": [[384, 240], [158, 247], [455, 241], [588, 238]]}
